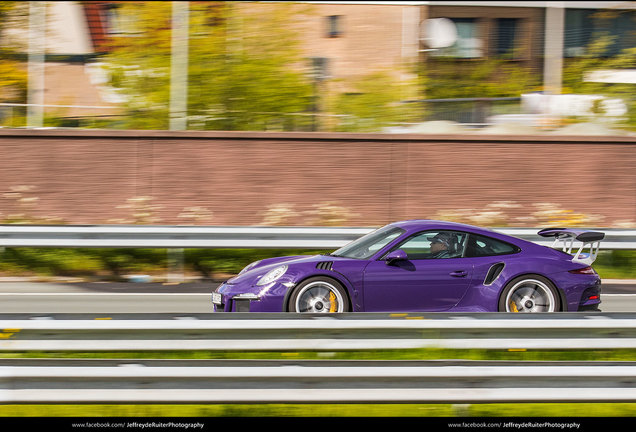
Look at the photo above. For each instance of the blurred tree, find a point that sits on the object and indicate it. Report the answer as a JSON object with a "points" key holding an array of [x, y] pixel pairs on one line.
{"points": [[375, 102], [449, 78], [241, 66], [596, 58], [13, 76], [484, 78]]}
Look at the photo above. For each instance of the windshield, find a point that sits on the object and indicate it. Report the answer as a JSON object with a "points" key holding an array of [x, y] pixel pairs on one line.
{"points": [[366, 246]]}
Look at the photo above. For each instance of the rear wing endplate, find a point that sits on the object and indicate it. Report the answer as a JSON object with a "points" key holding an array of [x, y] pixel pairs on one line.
{"points": [[565, 237]]}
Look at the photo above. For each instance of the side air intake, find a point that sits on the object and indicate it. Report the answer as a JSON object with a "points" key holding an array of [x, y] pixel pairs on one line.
{"points": [[493, 273], [324, 265]]}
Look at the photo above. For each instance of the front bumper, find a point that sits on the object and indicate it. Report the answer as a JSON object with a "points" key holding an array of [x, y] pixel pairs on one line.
{"points": [[233, 298], [233, 304]]}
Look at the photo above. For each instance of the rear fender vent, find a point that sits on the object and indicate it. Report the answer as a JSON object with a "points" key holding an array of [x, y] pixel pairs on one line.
{"points": [[324, 265], [493, 273]]}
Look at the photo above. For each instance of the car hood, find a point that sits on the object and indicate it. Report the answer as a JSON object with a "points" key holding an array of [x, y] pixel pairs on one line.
{"points": [[265, 265]]}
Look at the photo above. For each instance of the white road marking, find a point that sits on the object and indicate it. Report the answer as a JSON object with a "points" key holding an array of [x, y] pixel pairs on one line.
{"points": [[102, 294]]}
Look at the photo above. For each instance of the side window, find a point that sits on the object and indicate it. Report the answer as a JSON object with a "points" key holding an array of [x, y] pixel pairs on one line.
{"points": [[434, 245], [485, 246], [469, 42]]}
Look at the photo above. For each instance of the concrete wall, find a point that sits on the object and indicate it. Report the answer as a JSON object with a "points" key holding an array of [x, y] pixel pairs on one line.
{"points": [[87, 177]]}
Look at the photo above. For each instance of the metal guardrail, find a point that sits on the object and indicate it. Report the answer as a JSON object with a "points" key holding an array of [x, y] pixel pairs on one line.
{"points": [[144, 236], [284, 332], [25, 381], [319, 382]]}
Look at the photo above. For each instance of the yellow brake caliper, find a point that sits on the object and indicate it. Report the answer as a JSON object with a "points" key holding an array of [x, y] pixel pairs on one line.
{"points": [[513, 306], [333, 306]]}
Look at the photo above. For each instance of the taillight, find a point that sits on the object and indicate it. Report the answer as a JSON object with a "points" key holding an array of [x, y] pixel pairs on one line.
{"points": [[584, 270]]}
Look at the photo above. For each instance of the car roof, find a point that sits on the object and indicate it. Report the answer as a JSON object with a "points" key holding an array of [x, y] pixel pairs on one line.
{"points": [[429, 224], [436, 224]]}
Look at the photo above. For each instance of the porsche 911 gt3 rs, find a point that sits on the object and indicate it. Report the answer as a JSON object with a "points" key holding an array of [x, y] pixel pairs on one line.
{"points": [[425, 266]]}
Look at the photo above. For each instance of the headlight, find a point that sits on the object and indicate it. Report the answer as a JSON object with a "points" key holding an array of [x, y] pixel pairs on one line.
{"points": [[272, 275], [249, 266]]}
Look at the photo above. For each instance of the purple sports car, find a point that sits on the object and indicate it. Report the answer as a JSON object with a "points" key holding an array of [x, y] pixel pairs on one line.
{"points": [[425, 266]]}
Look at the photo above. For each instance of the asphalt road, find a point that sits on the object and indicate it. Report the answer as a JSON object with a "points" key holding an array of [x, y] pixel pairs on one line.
{"points": [[188, 298]]}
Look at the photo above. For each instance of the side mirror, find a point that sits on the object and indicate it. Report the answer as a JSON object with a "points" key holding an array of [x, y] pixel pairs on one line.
{"points": [[396, 255]]}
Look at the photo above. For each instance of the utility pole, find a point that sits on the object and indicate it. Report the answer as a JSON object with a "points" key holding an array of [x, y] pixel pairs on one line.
{"points": [[178, 102], [37, 46], [179, 66], [553, 49]]}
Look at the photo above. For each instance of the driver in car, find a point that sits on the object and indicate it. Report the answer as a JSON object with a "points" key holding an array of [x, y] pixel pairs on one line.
{"points": [[440, 245]]}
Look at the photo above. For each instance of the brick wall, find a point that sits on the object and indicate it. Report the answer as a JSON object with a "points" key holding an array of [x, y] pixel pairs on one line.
{"points": [[87, 177]]}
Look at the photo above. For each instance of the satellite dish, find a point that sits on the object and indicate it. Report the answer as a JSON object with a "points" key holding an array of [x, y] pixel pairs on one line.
{"points": [[438, 32]]}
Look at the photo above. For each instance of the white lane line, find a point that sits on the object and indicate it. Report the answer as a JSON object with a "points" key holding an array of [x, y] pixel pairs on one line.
{"points": [[103, 294]]}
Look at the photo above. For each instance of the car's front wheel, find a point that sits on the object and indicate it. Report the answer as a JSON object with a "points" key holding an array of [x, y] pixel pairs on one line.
{"points": [[319, 295], [528, 294]]}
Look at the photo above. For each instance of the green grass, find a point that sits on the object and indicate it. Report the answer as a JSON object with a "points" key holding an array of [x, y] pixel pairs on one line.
{"points": [[113, 263], [324, 410], [411, 354], [228, 410], [107, 263], [617, 264]]}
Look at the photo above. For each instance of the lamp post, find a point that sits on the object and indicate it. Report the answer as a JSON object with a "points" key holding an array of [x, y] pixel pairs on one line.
{"points": [[37, 46], [179, 66]]}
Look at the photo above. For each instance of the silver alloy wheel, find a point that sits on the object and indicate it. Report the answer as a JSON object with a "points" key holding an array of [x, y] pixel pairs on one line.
{"points": [[319, 297], [530, 295]]}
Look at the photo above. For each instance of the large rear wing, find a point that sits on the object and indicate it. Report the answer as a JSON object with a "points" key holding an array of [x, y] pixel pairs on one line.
{"points": [[565, 238]]}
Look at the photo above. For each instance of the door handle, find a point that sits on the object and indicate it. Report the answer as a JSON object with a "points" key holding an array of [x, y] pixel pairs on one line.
{"points": [[459, 273]]}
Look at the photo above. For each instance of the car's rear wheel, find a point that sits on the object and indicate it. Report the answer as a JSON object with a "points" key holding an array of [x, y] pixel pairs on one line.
{"points": [[319, 295], [529, 294]]}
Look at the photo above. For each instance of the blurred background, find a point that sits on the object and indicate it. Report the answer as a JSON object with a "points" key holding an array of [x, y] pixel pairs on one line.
{"points": [[317, 66], [318, 113]]}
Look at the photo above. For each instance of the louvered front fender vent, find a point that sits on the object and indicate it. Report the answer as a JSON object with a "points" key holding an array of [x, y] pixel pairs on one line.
{"points": [[325, 265]]}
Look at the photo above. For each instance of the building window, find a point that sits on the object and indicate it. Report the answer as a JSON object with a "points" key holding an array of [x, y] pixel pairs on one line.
{"points": [[506, 36], [118, 23], [583, 26], [334, 26], [113, 19], [579, 27], [468, 44]]}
